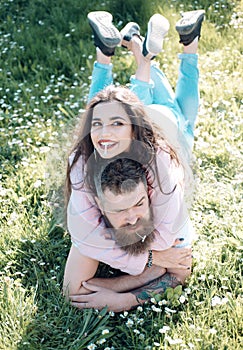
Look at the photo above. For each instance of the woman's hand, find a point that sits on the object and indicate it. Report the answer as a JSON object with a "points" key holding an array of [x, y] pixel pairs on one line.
{"points": [[173, 258]]}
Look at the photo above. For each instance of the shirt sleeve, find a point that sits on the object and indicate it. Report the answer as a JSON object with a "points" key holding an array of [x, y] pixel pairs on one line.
{"points": [[88, 231], [168, 204]]}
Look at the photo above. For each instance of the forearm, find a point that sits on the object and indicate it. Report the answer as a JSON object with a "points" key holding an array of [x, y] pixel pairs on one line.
{"points": [[157, 286], [99, 297], [181, 275], [117, 284], [127, 300], [127, 282], [78, 268], [142, 294]]}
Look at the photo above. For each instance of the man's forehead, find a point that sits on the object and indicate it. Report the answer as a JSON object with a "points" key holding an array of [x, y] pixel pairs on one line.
{"points": [[125, 200]]}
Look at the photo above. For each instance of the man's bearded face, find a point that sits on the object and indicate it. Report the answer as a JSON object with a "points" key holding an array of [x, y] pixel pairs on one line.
{"points": [[135, 241], [130, 217]]}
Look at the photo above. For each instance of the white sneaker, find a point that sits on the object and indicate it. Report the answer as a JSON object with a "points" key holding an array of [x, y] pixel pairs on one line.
{"points": [[158, 27]]}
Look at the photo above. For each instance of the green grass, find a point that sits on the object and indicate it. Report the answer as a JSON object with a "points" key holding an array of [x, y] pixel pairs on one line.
{"points": [[46, 60]]}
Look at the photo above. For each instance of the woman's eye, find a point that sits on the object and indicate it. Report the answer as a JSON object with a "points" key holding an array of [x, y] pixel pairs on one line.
{"points": [[96, 124], [140, 204], [117, 123]]}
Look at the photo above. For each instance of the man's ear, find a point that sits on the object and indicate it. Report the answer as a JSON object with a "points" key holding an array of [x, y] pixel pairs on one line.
{"points": [[99, 204]]}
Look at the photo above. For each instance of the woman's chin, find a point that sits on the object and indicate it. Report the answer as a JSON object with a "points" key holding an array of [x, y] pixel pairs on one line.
{"points": [[108, 154]]}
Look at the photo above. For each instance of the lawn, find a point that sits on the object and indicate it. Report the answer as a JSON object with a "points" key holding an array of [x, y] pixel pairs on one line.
{"points": [[46, 61]]}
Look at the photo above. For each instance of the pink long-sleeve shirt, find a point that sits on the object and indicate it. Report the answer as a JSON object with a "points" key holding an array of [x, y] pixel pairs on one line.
{"points": [[170, 216]]}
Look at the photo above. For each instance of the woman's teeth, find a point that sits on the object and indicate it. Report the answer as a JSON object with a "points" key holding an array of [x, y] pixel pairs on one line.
{"points": [[106, 145]]}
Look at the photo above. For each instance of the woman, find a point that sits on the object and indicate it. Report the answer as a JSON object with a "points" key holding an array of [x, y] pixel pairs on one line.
{"points": [[116, 122]]}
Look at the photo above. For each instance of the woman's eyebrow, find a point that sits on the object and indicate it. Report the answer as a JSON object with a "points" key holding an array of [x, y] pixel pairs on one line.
{"points": [[111, 118], [117, 117]]}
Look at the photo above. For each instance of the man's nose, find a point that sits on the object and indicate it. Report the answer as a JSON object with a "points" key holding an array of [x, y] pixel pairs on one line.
{"points": [[131, 217]]}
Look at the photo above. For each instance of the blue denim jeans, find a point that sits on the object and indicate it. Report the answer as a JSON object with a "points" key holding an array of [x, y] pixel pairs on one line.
{"points": [[183, 103]]}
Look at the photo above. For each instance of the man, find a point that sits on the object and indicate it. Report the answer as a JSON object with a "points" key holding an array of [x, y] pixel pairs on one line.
{"points": [[122, 196]]}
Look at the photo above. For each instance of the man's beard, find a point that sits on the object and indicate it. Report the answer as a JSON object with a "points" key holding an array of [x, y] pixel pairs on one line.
{"points": [[134, 242]]}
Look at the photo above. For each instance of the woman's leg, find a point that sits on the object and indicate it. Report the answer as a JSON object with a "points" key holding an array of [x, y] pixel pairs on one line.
{"points": [[141, 84], [101, 75], [163, 92], [106, 39], [187, 92], [158, 89], [184, 102], [143, 90]]}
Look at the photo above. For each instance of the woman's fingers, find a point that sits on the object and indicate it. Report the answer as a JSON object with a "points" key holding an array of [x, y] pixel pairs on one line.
{"points": [[178, 241], [185, 251]]}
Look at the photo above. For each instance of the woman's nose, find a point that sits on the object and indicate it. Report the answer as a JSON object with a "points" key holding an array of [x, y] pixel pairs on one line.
{"points": [[106, 130]]}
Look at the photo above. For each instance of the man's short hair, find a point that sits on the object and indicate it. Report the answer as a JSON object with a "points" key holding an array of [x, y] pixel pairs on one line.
{"points": [[121, 175]]}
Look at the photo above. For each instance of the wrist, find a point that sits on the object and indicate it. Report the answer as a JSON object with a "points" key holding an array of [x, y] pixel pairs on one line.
{"points": [[133, 301], [150, 259], [155, 258]]}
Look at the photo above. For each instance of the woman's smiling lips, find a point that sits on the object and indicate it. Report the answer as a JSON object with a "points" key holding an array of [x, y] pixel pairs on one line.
{"points": [[105, 144]]}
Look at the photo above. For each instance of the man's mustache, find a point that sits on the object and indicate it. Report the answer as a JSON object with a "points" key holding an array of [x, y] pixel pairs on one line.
{"points": [[130, 234]]}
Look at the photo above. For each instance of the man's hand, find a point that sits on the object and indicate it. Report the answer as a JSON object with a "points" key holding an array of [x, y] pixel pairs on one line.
{"points": [[173, 258], [101, 297]]}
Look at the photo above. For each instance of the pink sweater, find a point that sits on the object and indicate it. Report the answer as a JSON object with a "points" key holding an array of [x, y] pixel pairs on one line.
{"points": [[170, 216]]}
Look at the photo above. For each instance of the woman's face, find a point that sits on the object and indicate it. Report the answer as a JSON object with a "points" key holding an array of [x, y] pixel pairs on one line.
{"points": [[111, 129]]}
